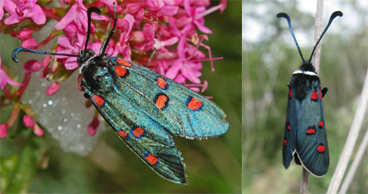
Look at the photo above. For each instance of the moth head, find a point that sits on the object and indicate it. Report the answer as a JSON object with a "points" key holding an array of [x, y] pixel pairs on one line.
{"points": [[307, 66], [84, 56]]}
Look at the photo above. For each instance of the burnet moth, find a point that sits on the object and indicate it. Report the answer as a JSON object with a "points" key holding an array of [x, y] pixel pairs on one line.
{"points": [[144, 107], [305, 137]]}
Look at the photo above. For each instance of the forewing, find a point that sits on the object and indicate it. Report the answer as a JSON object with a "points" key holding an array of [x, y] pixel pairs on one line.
{"points": [[291, 123], [177, 108], [147, 138], [311, 144]]}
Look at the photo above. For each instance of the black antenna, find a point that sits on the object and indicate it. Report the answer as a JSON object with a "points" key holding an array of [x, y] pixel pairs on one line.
{"points": [[332, 17], [19, 49], [89, 13], [107, 39], [286, 16]]}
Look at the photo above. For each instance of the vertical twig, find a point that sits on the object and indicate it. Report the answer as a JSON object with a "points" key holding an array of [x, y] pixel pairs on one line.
{"points": [[304, 183], [351, 172], [350, 142], [316, 62], [317, 34]]}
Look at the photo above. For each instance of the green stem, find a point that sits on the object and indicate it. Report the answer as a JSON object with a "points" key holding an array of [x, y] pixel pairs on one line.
{"points": [[27, 165]]}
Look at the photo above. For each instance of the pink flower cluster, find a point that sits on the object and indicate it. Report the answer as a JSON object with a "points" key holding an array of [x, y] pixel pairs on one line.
{"points": [[169, 26]]}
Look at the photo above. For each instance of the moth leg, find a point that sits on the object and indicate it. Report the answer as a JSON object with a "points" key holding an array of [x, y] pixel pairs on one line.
{"points": [[87, 95], [324, 91], [149, 60]]}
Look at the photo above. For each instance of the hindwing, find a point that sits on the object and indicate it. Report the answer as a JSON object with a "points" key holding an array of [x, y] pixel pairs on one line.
{"points": [[291, 123], [311, 142]]}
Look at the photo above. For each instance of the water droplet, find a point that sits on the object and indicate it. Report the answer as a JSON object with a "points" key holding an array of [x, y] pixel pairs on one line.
{"points": [[50, 102], [44, 105]]}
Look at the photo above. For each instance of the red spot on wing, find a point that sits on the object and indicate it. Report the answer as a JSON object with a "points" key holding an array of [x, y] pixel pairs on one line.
{"points": [[311, 131], [150, 158], [285, 119], [314, 96], [290, 93], [124, 62], [284, 141], [121, 71], [320, 124], [288, 127], [321, 148], [161, 101], [162, 83], [320, 94], [194, 103], [122, 134], [138, 132], [99, 100]]}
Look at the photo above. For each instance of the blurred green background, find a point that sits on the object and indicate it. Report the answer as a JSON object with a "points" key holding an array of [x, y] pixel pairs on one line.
{"points": [[269, 58], [212, 165]]}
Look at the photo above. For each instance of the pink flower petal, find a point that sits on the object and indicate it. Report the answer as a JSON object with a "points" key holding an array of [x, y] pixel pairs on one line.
{"points": [[70, 31], [46, 61], [132, 8], [152, 5], [3, 130], [64, 42], [37, 15], [180, 79], [32, 66], [69, 17], [71, 63], [137, 37], [140, 14], [204, 87], [203, 28], [194, 89], [6, 79], [12, 19], [92, 127], [169, 10], [25, 34], [28, 121], [122, 24], [30, 43], [191, 75], [174, 70], [148, 32], [37, 130], [169, 2], [53, 88], [9, 6], [223, 4]]}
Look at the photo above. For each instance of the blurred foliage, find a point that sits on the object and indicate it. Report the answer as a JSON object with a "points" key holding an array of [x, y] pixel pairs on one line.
{"points": [[212, 165], [267, 67]]}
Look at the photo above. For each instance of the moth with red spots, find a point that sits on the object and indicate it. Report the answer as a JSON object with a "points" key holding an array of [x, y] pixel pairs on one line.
{"points": [[143, 106], [305, 137]]}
